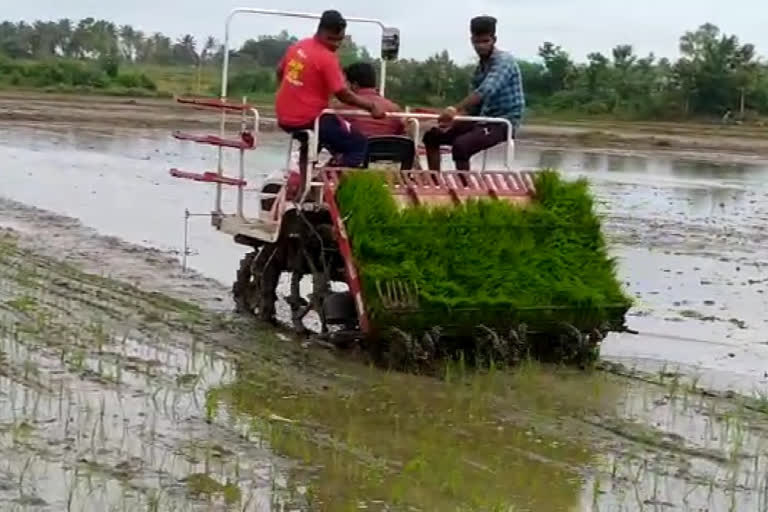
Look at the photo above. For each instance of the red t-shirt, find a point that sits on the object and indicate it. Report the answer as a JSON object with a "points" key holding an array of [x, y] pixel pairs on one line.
{"points": [[369, 126], [311, 75]]}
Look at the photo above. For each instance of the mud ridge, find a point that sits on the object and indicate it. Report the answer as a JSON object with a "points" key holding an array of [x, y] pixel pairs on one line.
{"points": [[68, 240]]}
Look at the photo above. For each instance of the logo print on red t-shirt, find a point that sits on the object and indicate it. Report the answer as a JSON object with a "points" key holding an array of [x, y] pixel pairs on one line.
{"points": [[295, 69]]}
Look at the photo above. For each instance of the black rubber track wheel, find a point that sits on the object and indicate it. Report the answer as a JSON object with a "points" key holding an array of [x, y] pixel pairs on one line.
{"points": [[254, 289]]}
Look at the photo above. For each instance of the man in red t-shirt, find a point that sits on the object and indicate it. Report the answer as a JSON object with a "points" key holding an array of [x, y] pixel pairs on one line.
{"points": [[361, 77], [309, 74]]}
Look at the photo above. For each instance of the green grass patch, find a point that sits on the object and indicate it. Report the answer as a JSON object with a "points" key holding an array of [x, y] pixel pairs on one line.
{"points": [[64, 75], [203, 485], [484, 262], [180, 80]]}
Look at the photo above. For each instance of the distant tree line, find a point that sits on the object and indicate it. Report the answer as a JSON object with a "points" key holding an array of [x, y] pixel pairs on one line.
{"points": [[715, 75]]}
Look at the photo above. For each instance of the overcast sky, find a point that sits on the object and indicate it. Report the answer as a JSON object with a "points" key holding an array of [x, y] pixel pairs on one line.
{"points": [[580, 26]]}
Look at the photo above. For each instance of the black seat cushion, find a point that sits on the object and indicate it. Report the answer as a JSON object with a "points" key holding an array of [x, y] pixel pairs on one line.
{"points": [[392, 148]]}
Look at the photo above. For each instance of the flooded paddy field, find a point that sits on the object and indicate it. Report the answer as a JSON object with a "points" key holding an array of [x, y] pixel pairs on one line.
{"points": [[126, 384], [114, 398]]}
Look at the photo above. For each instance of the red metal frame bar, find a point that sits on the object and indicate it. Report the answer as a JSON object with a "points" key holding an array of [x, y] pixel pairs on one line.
{"points": [[462, 184], [215, 103], [331, 181], [207, 177], [214, 140]]}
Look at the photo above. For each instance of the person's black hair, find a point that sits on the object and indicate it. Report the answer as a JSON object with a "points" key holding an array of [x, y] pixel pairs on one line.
{"points": [[361, 73], [483, 26], [332, 22]]}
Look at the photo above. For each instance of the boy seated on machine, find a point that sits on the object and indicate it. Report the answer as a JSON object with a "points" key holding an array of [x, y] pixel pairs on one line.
{"points": [[381, 134], [361, 77]]}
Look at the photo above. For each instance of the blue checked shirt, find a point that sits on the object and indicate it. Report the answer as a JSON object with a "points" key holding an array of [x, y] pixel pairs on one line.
{"points": [[501, 86]]}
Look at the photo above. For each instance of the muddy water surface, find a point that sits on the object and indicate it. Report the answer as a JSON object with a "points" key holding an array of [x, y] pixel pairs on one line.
{"points": [[690, 235], [112, 398]]}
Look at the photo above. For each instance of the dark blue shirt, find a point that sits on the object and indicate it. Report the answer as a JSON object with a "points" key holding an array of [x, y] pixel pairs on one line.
{"points": [[500, 84]]}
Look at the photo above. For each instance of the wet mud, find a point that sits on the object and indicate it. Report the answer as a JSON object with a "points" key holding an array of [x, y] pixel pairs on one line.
{"points": [[102, 398], [114, 398], [127, 384]]}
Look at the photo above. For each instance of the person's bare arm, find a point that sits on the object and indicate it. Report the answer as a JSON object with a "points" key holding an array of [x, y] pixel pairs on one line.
{"points": [[467, 103], [461, 108], [350, 98], [493, 80]]}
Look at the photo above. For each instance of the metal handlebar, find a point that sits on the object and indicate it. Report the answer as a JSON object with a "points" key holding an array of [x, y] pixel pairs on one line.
{"points": [[415, 117], [288, 14], [225, 78]]}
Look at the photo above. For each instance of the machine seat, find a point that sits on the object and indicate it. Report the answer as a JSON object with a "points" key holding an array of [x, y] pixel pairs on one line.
{"points": [[391, 148]]}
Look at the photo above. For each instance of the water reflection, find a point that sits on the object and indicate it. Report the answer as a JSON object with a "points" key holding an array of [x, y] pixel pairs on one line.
{"points": [[659, 164], [551, 159], [673, 167], [373, 440], [101, 408], [649, 185], [590, 161], [615, 163], [716, 170]]}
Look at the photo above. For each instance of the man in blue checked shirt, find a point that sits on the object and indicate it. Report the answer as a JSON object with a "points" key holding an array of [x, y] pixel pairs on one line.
{"points": [[497, 92]]}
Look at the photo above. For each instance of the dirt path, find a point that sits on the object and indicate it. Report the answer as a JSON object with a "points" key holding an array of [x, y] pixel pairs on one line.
{"points": [[32, 108]]}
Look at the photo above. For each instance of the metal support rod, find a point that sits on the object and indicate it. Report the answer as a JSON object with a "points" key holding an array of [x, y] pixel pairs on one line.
{"points": [[416, 130], [241, 173], [290, 154], [220, 164], [383, 78], [288, 14], [256, 121], [509, 149], [185, 252], [186, 241]]}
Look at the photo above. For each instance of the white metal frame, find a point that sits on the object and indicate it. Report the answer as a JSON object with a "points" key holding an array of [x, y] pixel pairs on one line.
{"points": [[255, 123], [225, 84], [289, 14], [415, 119], [412, 118]]}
